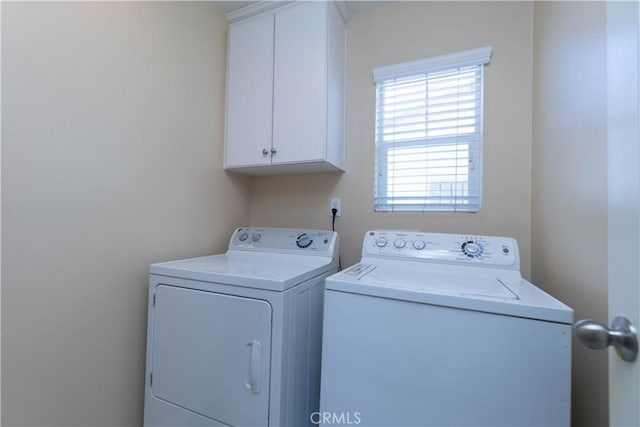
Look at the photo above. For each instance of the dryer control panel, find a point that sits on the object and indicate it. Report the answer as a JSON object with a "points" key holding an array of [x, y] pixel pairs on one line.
{"points": [[465, 249], [265, 239]]}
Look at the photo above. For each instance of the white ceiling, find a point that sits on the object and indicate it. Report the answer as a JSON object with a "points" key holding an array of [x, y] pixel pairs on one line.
{"points": [[354, 6]]}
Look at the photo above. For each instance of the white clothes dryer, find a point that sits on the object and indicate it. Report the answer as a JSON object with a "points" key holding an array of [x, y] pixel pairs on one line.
{"points": [[235, 339], [442, 330]]}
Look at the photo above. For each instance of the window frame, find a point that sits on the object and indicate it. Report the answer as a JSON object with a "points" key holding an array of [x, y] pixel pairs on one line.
{"points": [[423, 68]]}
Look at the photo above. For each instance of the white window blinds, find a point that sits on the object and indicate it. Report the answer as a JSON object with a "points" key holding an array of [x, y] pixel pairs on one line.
{"points": [[429, 133]]}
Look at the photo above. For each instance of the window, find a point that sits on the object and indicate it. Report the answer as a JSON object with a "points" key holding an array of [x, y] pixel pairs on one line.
{"points": [[429, 134]]}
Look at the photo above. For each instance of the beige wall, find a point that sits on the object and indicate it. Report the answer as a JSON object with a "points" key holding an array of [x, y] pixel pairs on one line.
{"points": [[112, 134], [112, 129], [405, 31], [569, 200]]}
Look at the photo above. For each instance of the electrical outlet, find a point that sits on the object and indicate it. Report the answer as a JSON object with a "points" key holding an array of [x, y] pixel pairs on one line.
{"points": [[335, 204]]}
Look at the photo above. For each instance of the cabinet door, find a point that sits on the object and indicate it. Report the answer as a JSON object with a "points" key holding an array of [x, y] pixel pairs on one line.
{"points": [[249, 92], [299, 104], [211, 354]]}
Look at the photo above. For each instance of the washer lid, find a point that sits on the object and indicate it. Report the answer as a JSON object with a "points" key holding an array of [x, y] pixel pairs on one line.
{"points": [[260, 270], [450, 283], [482, 289]]}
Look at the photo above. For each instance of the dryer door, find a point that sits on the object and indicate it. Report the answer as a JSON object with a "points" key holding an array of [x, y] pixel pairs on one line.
{"points": [[211, 354]]}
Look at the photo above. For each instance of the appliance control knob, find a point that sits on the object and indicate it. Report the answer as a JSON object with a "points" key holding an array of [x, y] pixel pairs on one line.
{"points": [[399, 243], [304, 241], [381, 242], [472, 248], [255, 237], [243, 236], [418, 244]]}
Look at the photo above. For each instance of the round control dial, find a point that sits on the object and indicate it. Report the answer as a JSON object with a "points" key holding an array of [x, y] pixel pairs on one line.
{"points": [[418, 245], [399, 243], [255, 237], [304, 240], [472, 249], [381, 242], [243, 236]]}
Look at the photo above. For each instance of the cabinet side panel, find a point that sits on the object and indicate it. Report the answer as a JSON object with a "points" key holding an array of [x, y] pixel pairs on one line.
{"points": [[299, 113], [336, 87], [249, 92], [303, 390]]}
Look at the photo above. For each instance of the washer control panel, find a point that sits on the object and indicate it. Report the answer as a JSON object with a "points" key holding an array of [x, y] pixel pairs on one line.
{"points": [[467, 249], [266, 239]]}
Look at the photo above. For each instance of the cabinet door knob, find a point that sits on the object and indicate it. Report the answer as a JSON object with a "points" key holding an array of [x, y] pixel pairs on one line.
{"points": [[265, 151], [273, 151]]}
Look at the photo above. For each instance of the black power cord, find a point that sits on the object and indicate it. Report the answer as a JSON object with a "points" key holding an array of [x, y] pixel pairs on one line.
{"points": [[334, 213]]}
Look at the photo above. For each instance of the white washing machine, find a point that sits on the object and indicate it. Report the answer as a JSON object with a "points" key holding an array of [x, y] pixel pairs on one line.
{"points": [[442, 330], [235, 339]]}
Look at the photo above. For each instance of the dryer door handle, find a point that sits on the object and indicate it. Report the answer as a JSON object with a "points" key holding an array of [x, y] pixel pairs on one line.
{"points": [[255, 364]]}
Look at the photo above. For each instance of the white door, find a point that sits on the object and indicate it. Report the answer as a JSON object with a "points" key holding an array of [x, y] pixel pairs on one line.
{"points": [[624, 205], [211, 354]]}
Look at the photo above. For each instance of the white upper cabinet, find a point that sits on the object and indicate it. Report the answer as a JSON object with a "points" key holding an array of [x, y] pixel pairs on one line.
{"points": [[285, 90]]}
